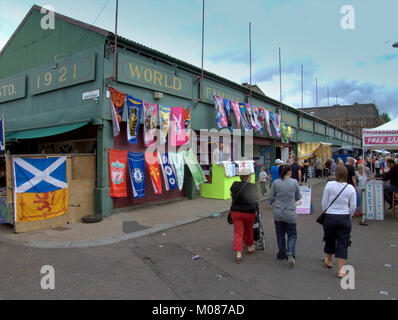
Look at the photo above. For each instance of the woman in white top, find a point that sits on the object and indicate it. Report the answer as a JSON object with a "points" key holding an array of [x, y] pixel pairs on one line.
{"points": [[337, 223], [361, 185]]}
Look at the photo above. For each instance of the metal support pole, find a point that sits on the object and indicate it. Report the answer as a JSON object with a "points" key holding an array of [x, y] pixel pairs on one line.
{"points": [[280, 81], [203, 44], [250, 58], [115, 57]]}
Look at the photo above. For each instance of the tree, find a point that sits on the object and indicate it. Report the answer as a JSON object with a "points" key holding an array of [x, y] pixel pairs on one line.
{"points": [[385, 117]]}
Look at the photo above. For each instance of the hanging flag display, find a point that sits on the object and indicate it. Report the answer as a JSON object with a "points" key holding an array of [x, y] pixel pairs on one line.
{"points": [[256, 123], [150, 122], [164, 112], [151, 160], [274, 119], [194, 167], [266, 112], [2, 136], [168, 172], [187, 123], [134, 108], [177, 160], [243, 116], [117, 173], [220, 112], [228, 111], [235, 107], [41, 188], [137, 173], [284, 137], [117, 105], [261, 119], [177, 129]]}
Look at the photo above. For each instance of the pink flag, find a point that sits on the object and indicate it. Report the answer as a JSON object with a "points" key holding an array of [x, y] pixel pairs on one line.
{"points": [[235, 106], [177, 128]]}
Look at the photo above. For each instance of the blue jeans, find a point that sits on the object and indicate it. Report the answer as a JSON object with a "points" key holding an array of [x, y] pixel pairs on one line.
{"points": [[388, 191], [290, 229]]}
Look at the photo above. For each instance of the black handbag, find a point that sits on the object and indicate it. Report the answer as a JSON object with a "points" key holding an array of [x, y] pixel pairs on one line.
{"points": [[229, 218], [322, 216]]}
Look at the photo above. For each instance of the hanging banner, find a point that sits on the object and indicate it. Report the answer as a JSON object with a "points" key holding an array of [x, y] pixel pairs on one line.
{"points": [[194, 167], [117, 173], [134, 108], [256, 123], [41, 188], [261, 119], [284, 138], [228, 111], [187, 123], [266, 112], [243, 116], [274, 119], [164, 112], [137, 173], [151, 160], [117, 105], [169, 177], [150, 122], [2, 135], [177, 129], [235, 107], [177, 160], [249, 115], [221, 118]]}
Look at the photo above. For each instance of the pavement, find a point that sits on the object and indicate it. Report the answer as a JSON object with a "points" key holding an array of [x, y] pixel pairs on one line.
{"points": [[125, 225]]}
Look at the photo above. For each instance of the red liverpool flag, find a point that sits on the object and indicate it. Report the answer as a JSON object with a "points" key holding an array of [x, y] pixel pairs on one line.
{"points": [[117, 173]]}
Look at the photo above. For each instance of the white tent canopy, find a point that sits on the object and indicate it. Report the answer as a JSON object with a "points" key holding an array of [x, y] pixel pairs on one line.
{"points": [[383, 137]]}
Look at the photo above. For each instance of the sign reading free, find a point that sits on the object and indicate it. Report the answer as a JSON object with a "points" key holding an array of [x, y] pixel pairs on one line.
{"points": [[74, 70], [12, 88], [149, 75]]}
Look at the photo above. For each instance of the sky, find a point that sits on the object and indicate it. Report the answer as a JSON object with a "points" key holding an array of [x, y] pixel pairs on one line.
{"points": [[357, 64]]}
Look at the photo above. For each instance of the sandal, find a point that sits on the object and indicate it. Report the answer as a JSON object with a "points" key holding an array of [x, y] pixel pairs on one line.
{"points": [[251, 249], [327, 265], [238, 259], [341, 275]]}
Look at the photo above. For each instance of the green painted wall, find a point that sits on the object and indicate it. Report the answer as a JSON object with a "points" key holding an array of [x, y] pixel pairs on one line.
{"points": [[32, 46]]}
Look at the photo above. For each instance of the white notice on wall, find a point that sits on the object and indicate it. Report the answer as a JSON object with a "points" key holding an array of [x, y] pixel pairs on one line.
{"points": [[90, 95]]}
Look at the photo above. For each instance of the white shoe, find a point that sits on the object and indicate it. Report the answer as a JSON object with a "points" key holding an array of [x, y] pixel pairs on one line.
{"points": [[290, 258]]}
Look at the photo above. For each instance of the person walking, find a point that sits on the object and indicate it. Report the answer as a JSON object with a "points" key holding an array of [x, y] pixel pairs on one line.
{"points": [[275, 173], [296, 170], [262, 180], [304, 170], [332, 167], [337, 223], [361, 185], [285, 192], [319, 168], [245, 196]]}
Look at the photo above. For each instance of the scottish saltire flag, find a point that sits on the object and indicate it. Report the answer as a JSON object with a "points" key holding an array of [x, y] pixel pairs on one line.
{"points": [[137, 173], [2, 136], [41, 188], [168, 172]]}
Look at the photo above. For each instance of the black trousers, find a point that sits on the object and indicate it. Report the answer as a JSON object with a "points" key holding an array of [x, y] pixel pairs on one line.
{"points": [[337, 230]]}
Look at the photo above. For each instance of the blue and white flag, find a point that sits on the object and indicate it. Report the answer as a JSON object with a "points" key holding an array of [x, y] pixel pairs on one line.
{"points": [[39, 175], [169, 176], [137, 173]]}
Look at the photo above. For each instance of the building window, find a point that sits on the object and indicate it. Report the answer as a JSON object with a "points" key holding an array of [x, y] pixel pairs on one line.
{"points": [[361, 122], [348, 122], [353, 122]]}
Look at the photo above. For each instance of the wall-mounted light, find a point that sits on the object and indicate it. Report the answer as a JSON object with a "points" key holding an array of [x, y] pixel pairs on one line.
{"points": [[157, 95]]}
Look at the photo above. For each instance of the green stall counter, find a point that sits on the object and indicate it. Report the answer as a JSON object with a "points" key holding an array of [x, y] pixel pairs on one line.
{"points": [[220, 186]]}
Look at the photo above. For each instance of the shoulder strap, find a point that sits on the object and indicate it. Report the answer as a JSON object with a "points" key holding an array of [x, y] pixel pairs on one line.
{"points": [[335, 198], [237, 195]]}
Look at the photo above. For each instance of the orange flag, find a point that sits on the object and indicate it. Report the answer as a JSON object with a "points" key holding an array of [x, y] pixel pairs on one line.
{"points": [[152, 163]]}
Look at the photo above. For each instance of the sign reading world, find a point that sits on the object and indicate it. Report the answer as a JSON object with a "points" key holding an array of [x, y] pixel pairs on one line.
{"points": [[149, 75], [12, 88]]}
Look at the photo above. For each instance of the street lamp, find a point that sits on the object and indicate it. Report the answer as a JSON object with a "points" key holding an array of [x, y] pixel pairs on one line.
{"points": [[395, 45]]}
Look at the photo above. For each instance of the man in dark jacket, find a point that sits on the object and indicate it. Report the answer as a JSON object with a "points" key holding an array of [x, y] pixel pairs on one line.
{"points": [[392, 176]]}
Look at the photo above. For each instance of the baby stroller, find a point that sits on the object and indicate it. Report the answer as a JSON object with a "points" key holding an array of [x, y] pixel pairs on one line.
{"points": [[258, 230]]}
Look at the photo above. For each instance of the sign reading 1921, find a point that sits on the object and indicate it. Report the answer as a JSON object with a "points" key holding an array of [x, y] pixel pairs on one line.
{"points": [[75, 70], [12, 88]]}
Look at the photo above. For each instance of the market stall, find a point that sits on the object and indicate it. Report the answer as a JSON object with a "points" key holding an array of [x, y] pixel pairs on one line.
{"points": [[321, 150], [382, 137]]}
